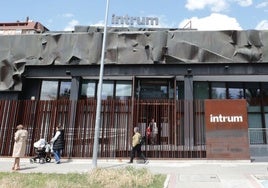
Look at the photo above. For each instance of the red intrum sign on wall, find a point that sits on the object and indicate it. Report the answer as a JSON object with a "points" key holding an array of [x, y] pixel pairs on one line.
{"points": [[226, 129]]}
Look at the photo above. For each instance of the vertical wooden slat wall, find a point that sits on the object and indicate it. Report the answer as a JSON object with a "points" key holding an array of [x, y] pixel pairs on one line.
{"points": [[118, 118], [8, 117]]}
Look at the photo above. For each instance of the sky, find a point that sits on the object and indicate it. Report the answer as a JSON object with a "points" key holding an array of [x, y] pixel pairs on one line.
{"points": [[63, 15]]}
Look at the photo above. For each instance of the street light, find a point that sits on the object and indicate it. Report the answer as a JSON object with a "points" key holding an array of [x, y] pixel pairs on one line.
{"points": [[98, 111]]}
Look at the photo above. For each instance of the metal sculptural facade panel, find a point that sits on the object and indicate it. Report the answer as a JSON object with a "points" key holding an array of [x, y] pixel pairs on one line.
{"points": [[126, 46]]}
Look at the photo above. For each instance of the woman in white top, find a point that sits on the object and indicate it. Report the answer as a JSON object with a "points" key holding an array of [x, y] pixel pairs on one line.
{"points": [[154, 129], [19, 148]]}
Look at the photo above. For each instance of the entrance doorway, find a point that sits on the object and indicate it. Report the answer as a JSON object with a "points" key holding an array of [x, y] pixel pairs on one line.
{"points": [[162, 113], [154, 96]]}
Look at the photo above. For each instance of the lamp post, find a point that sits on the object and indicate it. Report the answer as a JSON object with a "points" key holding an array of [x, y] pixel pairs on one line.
{"points": [[98, 111]]}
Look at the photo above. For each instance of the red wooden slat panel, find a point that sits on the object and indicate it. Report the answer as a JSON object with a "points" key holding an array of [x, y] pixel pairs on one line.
{"points": [[118, 117]]}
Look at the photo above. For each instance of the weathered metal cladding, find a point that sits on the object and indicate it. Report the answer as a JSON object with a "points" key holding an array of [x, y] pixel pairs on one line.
{"points": [[127, 47]]}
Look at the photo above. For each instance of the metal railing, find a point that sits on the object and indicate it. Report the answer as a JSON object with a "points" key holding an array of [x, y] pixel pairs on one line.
{"points": [[258, 135]]}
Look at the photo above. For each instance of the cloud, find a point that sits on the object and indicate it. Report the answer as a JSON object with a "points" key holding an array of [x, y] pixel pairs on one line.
{"points": [[99, 24], [244, 3], [263, 25], [215, 5], [68, 15], [213, 22], [262, 5], [71, 24]]}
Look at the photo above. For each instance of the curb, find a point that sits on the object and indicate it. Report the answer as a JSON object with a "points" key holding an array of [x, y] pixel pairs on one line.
{"points": [[167, 181]]}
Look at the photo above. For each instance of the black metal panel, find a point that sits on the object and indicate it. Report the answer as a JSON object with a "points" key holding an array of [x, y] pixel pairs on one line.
{"points": [[146, 70]]}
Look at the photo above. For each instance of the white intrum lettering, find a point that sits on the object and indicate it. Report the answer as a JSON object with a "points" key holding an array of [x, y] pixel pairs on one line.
{"points": [[221, 118], [133, 20]]}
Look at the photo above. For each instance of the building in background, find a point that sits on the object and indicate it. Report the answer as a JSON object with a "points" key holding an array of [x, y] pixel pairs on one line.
{"points": [[26, 27]]}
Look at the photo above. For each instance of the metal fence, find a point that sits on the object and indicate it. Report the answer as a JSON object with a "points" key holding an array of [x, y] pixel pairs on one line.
{"points": [[258, 135], [178, 137]]}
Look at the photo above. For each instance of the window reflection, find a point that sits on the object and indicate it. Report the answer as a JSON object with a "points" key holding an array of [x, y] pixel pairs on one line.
{"points": [[53, 90], [218, 90], [235, 91], [201, 90], [88, 89], [49, 90], [107, 90], [253, 94], [154, 89], [65, 90], [179, 90], [123, 89]]}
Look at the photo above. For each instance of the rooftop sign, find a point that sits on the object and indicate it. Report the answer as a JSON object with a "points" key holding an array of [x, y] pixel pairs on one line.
{"points": [[133, 20]]}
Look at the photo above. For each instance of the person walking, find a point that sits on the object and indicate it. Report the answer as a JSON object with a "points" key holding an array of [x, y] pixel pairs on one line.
{"points": [[19, 147], [136, 146], [58, 143]]}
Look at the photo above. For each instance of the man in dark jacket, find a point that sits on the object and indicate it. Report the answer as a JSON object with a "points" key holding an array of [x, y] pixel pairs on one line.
{"points": [[58, 143]]}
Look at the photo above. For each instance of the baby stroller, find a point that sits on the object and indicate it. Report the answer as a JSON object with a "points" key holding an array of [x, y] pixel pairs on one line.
{"points": [[43, 152]]}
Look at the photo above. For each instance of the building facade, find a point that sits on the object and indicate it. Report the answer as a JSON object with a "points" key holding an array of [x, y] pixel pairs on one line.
{"points": [[171, 75], [18, 28]]}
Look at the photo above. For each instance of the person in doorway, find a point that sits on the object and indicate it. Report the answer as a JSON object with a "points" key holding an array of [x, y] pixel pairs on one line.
{"points": [[19, 148], [148, 134], [136, 146], [154, 129], [58, 143]]}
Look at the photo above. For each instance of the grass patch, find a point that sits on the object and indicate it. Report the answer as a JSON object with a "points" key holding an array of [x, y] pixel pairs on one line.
{"points": [[98, 178]]}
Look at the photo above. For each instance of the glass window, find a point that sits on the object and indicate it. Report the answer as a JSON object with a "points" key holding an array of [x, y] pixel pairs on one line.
{"points": [[65, 90], [154, 89], [201, 90], [235, 91], [254, 120], [218, 90], [180, 90], [266, 120], [265, 94], [152, 92], [107, 90], [253, 94], [49, 90], [53, 90], [123, 89], [255, 123], [88, 89]]}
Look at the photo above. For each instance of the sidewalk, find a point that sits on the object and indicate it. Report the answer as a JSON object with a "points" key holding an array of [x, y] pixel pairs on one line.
{"points": [[180, 173]]}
